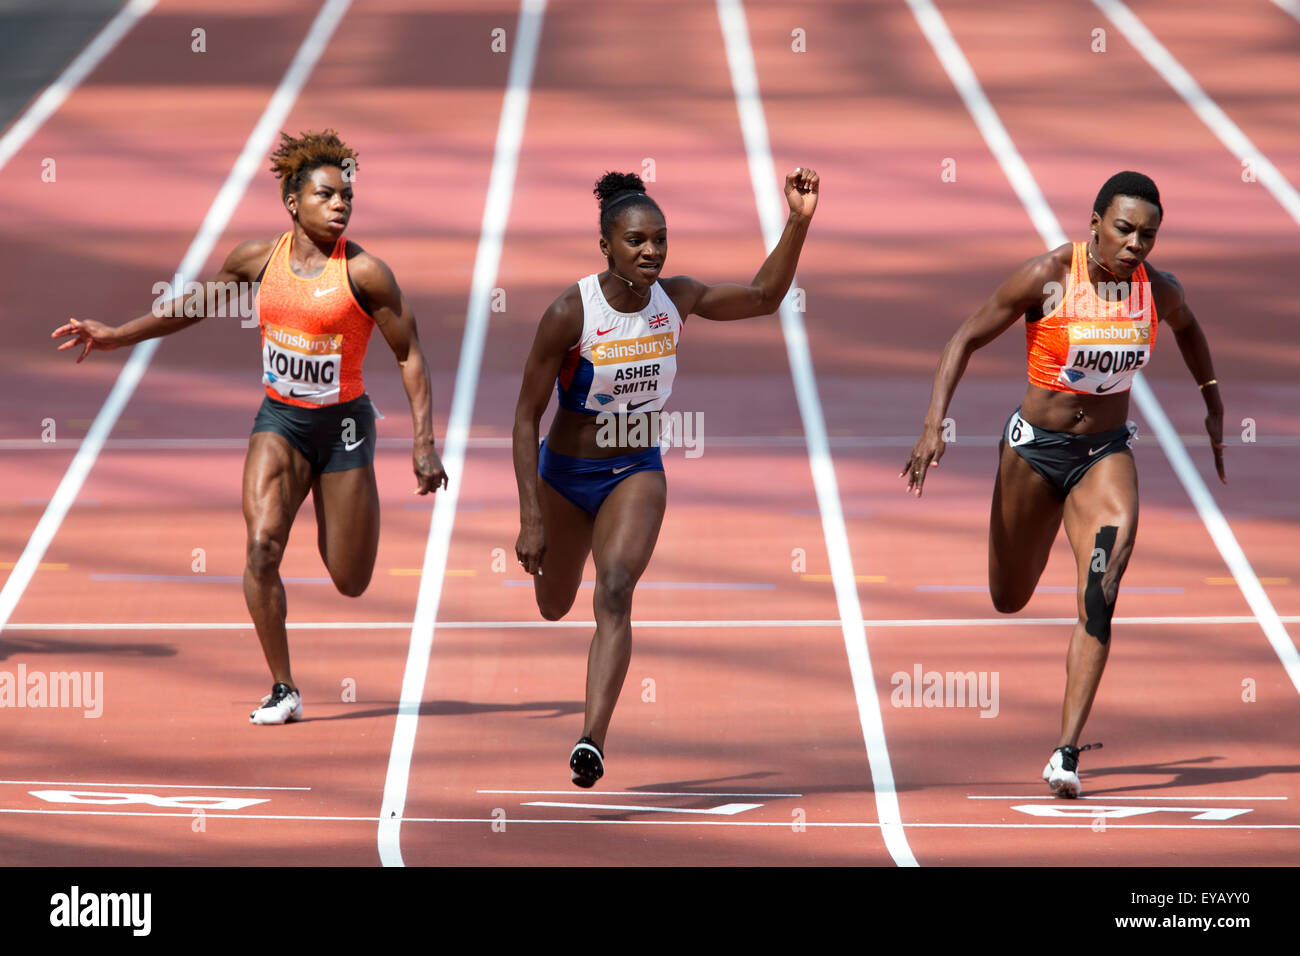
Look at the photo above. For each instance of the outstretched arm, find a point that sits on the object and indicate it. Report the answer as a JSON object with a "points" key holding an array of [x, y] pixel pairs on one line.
{"points": [[1027, 287], [763, 295], [1196, 356], [396, 323], [169, 313], [558, 332]]}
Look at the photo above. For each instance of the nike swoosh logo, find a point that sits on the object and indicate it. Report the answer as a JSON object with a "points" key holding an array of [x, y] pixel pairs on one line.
{"points": [[605, 331], [294, 394], [320, 292], [635, 405], [619, 471], [1138, 315], [1093, 451], [347, 447], [1106, 388]]}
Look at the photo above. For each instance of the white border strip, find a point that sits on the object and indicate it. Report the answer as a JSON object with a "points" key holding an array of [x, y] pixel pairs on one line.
{"points": [[496, 212], [214, 224], [1290, 6], [54, 95], [1228, 132], [676, 625], [763, 175], [1045, 221], [782, 824]]}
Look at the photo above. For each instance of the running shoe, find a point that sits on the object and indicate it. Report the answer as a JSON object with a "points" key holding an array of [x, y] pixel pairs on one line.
{"points": [[1062, 771], [587, 763], [280, 706]]}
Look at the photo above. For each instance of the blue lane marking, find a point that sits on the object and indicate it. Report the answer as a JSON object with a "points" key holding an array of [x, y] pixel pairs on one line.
{"points": [[670, 585], [1050, 589], [200, 578]]}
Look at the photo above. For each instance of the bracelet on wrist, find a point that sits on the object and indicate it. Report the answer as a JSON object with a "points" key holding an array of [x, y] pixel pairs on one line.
{"points": [[1204, 385]]}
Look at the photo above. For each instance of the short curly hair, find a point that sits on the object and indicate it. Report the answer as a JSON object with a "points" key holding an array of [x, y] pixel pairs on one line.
{"points": [[1128, 183], [295, 159]]}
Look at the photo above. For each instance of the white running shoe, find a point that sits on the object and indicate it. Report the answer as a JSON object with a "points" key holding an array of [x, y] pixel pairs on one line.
{"points": [[280, 706], [1062, 771]]}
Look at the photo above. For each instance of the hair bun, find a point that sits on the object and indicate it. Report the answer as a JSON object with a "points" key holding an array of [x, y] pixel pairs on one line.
{"points": [[613, 184]]}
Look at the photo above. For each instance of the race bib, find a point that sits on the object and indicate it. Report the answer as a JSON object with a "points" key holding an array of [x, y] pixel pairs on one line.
{"points": [[630, 375], [1104, 356], [1019, 431], [302, 366]]}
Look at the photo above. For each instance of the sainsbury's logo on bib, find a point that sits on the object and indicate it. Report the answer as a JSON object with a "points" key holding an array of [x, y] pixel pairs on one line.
{"points": [[302, 366], [1103, 356], [631, 350]]}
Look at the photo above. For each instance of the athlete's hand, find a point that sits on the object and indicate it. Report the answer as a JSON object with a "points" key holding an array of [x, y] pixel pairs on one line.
{"points": [[1214, 425], [428, 471], [530, 547], [89, 334], [801, 191], [925, 455]]}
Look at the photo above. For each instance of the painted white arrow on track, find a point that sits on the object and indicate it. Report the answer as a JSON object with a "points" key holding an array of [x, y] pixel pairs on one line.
{"points": [[1110, 813]]}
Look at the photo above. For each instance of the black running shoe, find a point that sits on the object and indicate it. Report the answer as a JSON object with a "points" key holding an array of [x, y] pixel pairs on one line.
{"points": [[587, 763], [1062, 771]]}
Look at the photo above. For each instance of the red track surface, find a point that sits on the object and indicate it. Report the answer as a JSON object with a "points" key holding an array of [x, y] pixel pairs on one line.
{"points": [[895, 259]]}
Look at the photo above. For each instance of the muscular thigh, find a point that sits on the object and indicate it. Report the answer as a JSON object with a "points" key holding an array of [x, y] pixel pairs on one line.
{"points": [[1101, 516], [276, 480], [568, 542], [627, 525], [1025, 517], [347, 519]]}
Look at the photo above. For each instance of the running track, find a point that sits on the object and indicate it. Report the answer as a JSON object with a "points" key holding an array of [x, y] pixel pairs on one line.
{"points": [[712, 716]]}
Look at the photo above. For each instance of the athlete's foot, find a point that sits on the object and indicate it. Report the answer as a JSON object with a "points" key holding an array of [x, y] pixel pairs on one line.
{"points": [[280, 706], [587, 763], [1062, 771]]}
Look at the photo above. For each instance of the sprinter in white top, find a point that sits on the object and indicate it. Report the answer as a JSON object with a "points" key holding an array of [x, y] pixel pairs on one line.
{"points": [[609, 343]]}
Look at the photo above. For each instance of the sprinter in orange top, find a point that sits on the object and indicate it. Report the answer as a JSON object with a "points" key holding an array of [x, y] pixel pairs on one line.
{"points": [[318, 300], [1090, 321]]}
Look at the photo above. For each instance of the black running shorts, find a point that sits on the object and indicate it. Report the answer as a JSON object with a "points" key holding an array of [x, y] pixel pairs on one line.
{"points": [[331, 438], [1060, 457]]}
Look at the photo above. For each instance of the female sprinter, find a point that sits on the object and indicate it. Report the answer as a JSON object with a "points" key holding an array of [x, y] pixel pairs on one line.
{"points": [[609, 343], [320, 296], [1090, 320]]}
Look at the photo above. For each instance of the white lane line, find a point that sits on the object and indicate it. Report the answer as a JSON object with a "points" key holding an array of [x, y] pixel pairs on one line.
{"points": [[783, 824], [138, 786], [1209, 112], [496, 212], [763, 177], [240, 445], [1122, 796], [54, 95], [1290, 6], [214, 224], [588, 625], [629, 793], [1049, 228], [726, 810]]}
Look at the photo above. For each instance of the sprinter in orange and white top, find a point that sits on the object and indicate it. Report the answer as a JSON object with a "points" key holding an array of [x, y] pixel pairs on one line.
{"points": [[319, 297], [608, 345], [1090, 314]]}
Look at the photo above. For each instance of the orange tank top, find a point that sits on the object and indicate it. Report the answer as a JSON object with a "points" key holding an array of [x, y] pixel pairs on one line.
{"points": [[1091, 344], [314, 333]]}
